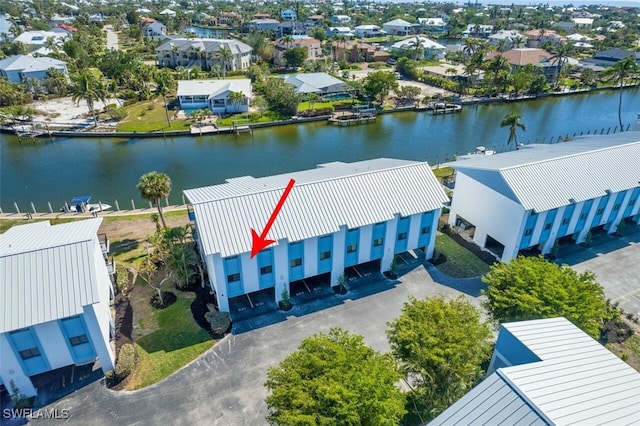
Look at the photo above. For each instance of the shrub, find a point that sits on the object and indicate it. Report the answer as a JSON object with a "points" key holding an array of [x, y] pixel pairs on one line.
{"points": [[286, 300], [219, 321], [122, 277], [126, 361]]}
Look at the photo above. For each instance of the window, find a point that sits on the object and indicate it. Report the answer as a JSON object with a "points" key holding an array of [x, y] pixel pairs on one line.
{"points": [[325, 255], [78, 340], [528, 232], [402, 236], [30, 353], [632, 202], [352, 248], [599, 212], [547, 226], [583, 216], [266, 269], [233, 277], [378, 242], [295, 262], [616, 207], [565, 221], [426, 229]]}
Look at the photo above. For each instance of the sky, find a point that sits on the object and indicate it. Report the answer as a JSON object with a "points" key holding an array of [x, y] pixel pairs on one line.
{"points": [[631, 3]]}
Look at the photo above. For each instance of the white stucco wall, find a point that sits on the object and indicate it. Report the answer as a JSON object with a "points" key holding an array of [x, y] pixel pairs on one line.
{"points": [[281, 268], [53, 344], [249, 272], [310, 263], [389, 243], [364, 243]]}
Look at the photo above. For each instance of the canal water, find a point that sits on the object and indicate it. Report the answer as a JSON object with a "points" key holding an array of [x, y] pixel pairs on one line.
{"points": [[108, 169]]}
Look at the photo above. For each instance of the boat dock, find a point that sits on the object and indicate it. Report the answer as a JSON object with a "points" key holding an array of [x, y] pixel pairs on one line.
{"points": [[437, 108]]}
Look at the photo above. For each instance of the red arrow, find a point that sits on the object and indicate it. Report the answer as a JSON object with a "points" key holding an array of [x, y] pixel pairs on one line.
{"points": [[260, 242]]}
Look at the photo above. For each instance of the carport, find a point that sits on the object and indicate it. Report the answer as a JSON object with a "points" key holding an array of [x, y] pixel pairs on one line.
{"points": [[252, 304], [311, 288]]}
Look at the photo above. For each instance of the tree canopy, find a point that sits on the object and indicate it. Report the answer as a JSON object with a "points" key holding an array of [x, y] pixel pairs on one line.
{"points": [[295, 56], [531, 288], [513, 120], [378, 84], [334, 378], [442, 345]]}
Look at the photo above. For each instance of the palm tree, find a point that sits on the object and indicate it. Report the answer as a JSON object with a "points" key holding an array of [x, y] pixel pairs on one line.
{"points": [[512, 121], [619, 72], [226, 57], [155, 186], [416, 47], [236, 98], [560, 56], [165, 83], [86, 86]]}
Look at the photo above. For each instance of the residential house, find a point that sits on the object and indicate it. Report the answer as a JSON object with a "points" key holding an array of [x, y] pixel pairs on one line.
{"points": [[430, 49], [399, 27], [433, 25], [313, 47], [536, 38], [341, 19], [319, 83], [368, 31], [290, 28], [539, 58], [19, 68], [34, 39], [56, 293], [531, 197], [478, 31], [507, 39], [583, 22], [154, 29], [549, 372], [214, 94], [288, 15], [187, 52], [359, 51], [609, 57], [363, 213], [313, 21], [337, 31], [263, 24], [230, 19], [168, 12]]}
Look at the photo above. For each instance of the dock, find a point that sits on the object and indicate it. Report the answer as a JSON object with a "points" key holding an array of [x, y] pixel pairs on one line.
{"points": [[352, 120], [437, 108]]}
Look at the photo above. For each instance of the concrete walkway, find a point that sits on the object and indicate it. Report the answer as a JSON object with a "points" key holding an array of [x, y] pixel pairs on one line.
{"points": [[112, 38], [27, 214], [225, 385]]}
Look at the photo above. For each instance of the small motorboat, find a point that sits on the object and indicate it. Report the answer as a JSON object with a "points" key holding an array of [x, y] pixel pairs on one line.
{"points": [[81, 205]]}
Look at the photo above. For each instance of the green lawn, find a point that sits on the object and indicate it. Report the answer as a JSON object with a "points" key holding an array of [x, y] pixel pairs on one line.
{"points": [[175, 342], [441, 172], [461, 263], [142, 119], [268, 116]]}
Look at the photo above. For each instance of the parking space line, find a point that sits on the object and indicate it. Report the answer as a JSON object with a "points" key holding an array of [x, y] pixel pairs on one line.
{"points": [[250, 302], [357, 272], [306, 286]]}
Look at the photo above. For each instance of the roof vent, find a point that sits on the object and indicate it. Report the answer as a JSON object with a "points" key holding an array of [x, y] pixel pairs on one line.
{"points": [[608, 191], [572, 201]]}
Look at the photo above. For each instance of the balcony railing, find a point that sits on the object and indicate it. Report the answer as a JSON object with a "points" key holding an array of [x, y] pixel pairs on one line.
{"points": [[104, 243], [111, 265]]}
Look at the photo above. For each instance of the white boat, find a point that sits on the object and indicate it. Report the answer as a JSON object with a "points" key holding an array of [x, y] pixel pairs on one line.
{"points": [[81, 204]]}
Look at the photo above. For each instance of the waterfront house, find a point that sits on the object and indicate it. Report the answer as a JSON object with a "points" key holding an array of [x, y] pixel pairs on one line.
{"points": [[56, 291], [19, 68], [214, 94], [399, 27], [507, 39], [337, 216], [263, 24], [609, 57], [539, 58], [312, 46], [35, 39], [549, 372], [532, 197], [430, 48], [368, 31], [536, 38], [433, 25], [478, 31], [319, 83], [205, 52]]}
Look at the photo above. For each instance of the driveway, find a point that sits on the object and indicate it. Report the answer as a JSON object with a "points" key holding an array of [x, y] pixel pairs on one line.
{"points": [[225, 385], [112, 38], [616, 263]]}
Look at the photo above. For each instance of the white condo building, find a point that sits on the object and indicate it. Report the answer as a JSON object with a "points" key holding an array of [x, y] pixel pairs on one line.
{"points": [[533, 196], [337, 215]]}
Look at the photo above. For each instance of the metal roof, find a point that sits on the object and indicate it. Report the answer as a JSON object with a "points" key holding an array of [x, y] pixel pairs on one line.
{"points": [[544, 177], [322, 200], [213, 88], [46, 272], [578, 381]]}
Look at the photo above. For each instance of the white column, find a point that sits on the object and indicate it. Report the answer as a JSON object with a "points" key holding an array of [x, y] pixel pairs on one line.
{"points": [[587, 225], [618, 218], [538, 228], [11, 369], [548, 245], [218, 280], [635, 209], [364, 243], [310, 257], [53, 344], [608, 208], [575, 217], [337, 253], [281, 268], [389, 243], [100, 342], [432, 238], [414, 231], [249, 271]]}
